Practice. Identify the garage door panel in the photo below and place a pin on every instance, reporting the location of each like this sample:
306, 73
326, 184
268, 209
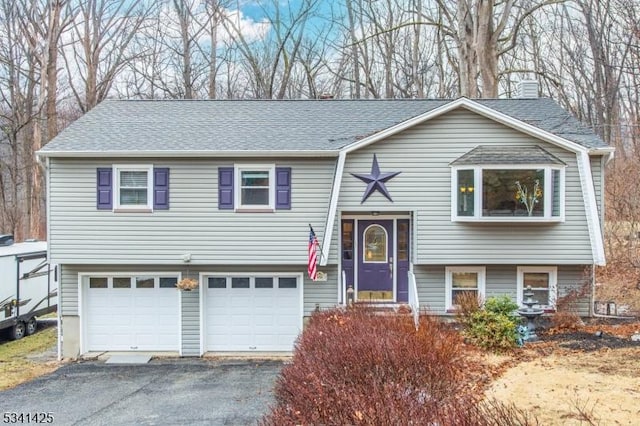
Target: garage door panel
262, 317
145, 319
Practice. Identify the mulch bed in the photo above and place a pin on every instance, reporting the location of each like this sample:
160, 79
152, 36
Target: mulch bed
584, 341
594, 335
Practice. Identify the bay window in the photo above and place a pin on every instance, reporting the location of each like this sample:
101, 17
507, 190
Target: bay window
499, 193
507, 183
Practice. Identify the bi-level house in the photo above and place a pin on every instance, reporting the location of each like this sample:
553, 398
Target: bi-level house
411, 200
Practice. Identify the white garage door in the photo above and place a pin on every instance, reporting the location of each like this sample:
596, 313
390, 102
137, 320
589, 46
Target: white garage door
131, 313
252, 313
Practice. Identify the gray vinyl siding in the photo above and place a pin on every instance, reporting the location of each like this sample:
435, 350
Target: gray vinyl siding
577, 278
190, 328
598, 183
68, 287
321, 294
422, 154
500, 280
81, 234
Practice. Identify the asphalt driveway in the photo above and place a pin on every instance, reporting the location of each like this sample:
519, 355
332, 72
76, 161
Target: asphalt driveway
163, 392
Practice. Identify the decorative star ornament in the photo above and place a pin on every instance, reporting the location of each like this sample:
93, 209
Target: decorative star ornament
375, 180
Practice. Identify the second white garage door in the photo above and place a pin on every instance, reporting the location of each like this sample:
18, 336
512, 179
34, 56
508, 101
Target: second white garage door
252, 313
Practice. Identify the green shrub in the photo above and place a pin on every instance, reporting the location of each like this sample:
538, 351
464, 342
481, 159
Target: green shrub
494, 327
501, 305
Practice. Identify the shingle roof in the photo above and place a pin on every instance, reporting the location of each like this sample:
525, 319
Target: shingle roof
274, 125
507, 154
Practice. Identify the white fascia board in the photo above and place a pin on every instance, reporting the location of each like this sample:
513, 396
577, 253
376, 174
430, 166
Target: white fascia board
473, 107
608, 153
185, 154
591, 208
601, 151
333, 208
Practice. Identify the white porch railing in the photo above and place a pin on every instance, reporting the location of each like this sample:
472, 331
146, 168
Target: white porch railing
414, 303
343, 289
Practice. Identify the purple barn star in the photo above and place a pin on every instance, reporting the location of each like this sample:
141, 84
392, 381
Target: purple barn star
375, 180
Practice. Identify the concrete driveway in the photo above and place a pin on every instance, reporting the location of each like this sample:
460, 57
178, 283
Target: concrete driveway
163, 392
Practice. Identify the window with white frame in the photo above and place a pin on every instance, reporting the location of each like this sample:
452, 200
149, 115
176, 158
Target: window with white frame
543, 283
133, 187
256, 187
133, 281
460, 280
508, 193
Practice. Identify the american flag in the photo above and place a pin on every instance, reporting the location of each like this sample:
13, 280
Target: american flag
313, 259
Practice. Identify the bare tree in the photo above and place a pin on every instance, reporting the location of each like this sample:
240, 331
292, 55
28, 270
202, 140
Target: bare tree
483, 31
99, 46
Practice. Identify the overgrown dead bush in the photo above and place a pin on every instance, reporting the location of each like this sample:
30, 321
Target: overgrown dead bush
360, 368
467, 304
566, 317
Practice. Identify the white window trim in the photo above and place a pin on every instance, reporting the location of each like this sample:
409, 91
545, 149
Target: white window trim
477, 194
553, 283
238, 169
117, 168
450, 270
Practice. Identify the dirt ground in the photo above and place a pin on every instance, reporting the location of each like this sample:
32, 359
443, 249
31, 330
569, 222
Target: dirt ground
581, 377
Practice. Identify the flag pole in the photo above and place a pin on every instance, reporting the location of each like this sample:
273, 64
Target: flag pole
318, 245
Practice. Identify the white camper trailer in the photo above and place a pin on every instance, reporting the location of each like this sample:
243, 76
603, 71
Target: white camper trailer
28, 286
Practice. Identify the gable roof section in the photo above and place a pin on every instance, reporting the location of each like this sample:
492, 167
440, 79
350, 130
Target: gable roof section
278, 127
506, 154
567, 133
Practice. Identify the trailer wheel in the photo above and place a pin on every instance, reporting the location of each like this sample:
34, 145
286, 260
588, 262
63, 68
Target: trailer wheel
17, 331
32, 326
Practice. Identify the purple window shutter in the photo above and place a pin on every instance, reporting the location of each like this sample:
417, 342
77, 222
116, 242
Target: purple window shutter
104, 188
225, 188
161, 188
283, 188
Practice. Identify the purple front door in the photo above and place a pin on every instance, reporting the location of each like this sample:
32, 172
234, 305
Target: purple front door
375, 260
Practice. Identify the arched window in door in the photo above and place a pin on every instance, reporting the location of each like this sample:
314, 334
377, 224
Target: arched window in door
375, 244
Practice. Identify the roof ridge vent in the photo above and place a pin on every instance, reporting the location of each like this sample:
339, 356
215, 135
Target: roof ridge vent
528, 89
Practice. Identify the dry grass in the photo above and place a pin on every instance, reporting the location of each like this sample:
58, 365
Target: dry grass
16, 367
563, 386
575, 388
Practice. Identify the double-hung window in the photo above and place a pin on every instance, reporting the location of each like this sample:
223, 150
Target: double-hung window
508, 184
133, 187
541, 282
256, 189
463, 280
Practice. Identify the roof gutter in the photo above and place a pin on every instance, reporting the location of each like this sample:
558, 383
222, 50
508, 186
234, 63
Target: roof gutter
608, 153
187, 154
